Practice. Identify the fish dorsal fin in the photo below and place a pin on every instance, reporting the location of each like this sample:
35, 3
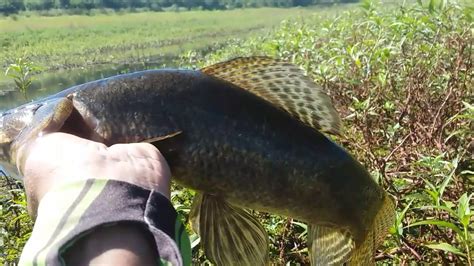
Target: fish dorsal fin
283, 84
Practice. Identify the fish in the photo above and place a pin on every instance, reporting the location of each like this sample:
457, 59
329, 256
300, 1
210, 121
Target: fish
250, 133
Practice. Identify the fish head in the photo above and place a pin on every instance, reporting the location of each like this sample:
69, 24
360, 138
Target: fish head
22, 125
12, 123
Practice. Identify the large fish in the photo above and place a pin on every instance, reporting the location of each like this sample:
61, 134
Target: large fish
245, 133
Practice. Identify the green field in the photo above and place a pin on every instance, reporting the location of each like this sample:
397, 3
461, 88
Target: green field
78, 41
401, 78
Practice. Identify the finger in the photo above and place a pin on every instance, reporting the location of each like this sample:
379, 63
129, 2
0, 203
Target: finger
57, 148
138, 150
140, 153
150, 167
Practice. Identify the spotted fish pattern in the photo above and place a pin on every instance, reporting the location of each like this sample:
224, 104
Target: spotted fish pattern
283, 84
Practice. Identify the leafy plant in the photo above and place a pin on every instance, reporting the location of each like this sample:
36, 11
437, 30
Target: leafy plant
21, 71
461, 214
15, 224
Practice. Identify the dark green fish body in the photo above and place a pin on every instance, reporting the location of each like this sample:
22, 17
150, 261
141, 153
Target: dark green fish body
235, 147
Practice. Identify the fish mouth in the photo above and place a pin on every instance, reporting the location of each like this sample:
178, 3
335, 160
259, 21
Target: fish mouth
77, 125
7, 169
12, 122
24, 123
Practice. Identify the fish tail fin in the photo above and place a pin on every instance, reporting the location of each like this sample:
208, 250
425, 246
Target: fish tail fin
364, 254
329, 246
333, 246
229, 234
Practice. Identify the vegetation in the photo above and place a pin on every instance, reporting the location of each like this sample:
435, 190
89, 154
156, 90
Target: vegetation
15, 224
85, 41
21, 72
402, 79
82, 6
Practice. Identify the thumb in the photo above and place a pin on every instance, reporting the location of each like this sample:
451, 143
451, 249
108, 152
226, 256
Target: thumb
49, 117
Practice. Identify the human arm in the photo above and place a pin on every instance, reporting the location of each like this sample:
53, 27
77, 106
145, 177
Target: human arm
119, 196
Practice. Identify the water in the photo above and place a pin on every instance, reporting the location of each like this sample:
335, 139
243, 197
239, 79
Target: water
52, 82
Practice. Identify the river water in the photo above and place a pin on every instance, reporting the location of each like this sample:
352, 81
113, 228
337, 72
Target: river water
49, 83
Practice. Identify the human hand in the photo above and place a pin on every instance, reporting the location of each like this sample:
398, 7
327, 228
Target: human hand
60, 157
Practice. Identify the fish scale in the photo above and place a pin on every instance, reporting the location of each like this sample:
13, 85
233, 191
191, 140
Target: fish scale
245, 134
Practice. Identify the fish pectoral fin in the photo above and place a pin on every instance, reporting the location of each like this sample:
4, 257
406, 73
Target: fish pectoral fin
364, 254
164, 137
329, 246
195, 211
49, 117
229, 234
283, 84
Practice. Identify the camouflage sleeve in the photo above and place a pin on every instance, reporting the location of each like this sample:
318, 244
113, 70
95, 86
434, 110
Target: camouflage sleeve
72, 210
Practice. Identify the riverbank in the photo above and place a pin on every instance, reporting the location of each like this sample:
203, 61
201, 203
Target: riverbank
74, 49
79, 40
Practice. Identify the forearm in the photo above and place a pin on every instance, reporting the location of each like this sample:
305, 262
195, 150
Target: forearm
121, 244
95, 220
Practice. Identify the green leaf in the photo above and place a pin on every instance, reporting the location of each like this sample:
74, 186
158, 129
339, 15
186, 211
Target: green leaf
302, 225
431, 6
434, 195
433, 187
18, 83
446, 181
358, 63
446, 247
438, 223
382, 77
442, 5
399, 221
195, 240
443, 208
464, 210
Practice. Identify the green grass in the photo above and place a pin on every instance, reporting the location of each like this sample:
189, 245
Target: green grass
79, 41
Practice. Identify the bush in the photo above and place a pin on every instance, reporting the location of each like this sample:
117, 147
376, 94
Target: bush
15, 224
402, 80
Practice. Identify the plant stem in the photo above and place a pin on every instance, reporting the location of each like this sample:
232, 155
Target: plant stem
466, 242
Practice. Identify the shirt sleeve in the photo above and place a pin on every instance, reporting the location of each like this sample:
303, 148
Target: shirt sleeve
70, 211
